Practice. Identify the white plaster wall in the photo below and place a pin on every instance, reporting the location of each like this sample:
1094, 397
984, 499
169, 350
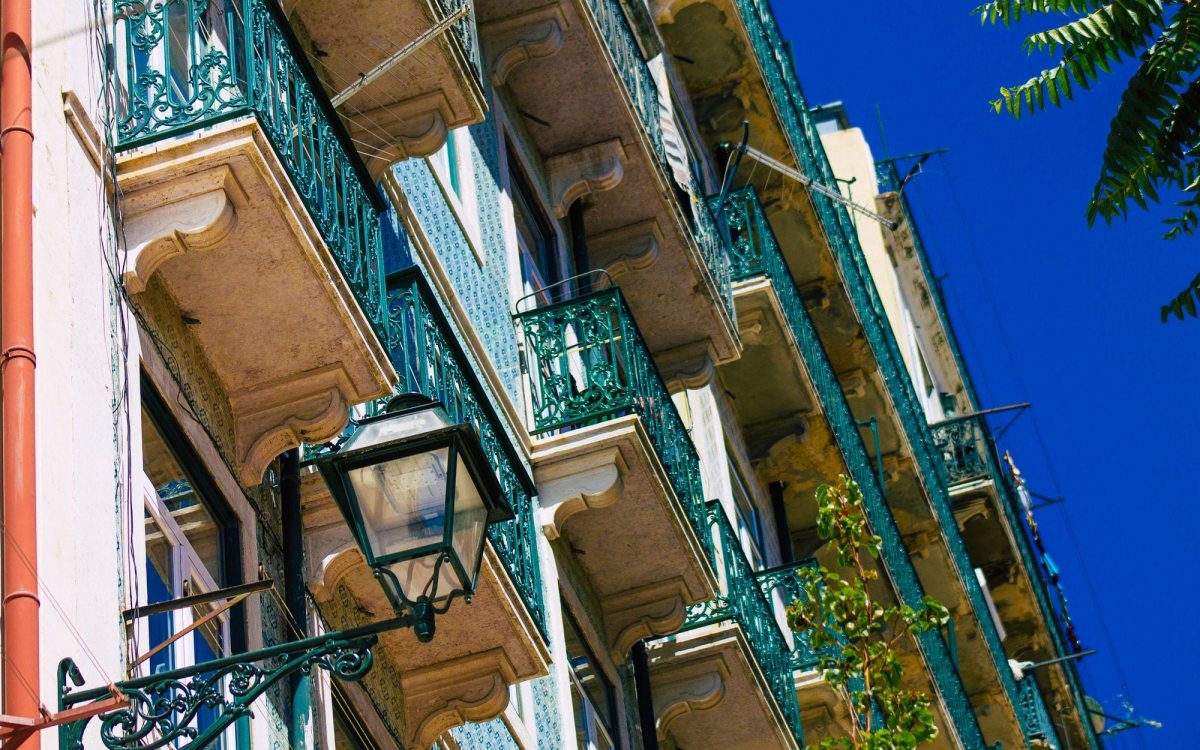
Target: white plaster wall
78, 527
850, 157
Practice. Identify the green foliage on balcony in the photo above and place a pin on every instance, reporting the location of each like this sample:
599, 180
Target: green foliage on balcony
588, 364
801, 132
743, 601
756, 252
185, 65
429, 360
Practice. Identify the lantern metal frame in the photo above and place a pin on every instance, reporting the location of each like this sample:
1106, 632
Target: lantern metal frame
161, 710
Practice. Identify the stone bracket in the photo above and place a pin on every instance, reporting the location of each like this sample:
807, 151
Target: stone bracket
309, 407
520, 38
584, 171
644, 612
166, 220
627, 249
595, 480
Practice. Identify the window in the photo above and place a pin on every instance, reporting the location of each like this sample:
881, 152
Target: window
536, 239
453, 166
191, 547
592, 695
749, 520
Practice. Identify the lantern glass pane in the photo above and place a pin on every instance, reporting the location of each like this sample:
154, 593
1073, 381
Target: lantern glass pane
416, 577
470, 520
402, 502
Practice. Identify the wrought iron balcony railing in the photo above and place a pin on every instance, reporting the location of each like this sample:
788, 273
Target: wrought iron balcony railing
785, 580
1035, 715
756, 252
643, 92
588, 364
632, 68
963, 448
184, 65
429, 360
744, 601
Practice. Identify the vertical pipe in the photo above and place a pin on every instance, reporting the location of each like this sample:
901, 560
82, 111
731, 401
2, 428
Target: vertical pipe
641, 684
293, 590
19, 610
782, 531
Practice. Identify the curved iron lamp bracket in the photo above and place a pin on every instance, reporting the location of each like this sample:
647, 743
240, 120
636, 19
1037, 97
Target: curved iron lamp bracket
164, 708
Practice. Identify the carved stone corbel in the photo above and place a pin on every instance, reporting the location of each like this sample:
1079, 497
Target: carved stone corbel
166, 220
269, 419
646, 612
520, 38
627, 249
702, 690
595, 480
591, 169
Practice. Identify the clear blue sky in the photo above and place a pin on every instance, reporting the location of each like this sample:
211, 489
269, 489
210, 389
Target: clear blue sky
1050, 312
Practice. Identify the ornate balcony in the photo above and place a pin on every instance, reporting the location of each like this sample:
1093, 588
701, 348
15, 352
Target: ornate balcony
238, 184
983, 497
995, 529
773, 391
607, 147
409, 109
616, 470
730, 673
499, 638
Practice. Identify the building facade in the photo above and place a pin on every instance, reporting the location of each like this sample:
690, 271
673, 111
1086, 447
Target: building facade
614, 240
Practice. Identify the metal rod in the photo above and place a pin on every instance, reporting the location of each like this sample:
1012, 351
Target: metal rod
293, 590
382, 68
283, 649
201, 598
915, 155
1056, 660
981, 413
195, 624
816, 187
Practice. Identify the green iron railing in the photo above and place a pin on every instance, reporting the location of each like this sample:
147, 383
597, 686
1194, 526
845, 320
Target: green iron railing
801, 131
756, 252
429, 360
960, 443
185, 65
588, 364
464, 32
633, 70
969, 452
1035, 715
744, 601
786, 581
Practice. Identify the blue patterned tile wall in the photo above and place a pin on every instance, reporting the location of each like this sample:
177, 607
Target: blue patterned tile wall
545, 712
492, 735
481, 288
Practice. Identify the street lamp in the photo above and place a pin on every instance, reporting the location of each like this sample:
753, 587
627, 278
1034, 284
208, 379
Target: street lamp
418, 494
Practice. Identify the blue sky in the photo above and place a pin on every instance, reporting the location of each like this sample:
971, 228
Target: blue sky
1049, 312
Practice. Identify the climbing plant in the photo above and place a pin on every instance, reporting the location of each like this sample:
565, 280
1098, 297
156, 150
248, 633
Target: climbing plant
1154, 138
856, 635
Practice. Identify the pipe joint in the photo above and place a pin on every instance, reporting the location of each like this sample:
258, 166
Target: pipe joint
14, 129
18, 352
12, 596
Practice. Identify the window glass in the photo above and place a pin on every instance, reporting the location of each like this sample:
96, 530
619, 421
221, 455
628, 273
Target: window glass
536, 240
178, 496
749, 520
592, 694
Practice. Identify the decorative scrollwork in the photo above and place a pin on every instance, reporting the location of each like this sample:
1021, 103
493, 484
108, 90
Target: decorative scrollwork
590, 364
188, 708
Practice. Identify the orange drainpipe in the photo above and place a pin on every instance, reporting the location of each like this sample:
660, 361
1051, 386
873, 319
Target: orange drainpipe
20, 677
